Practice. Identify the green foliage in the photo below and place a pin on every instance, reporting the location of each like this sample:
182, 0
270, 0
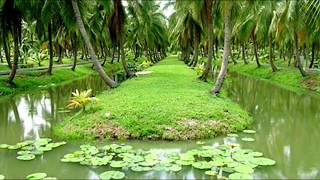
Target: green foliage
185, 109
81, 99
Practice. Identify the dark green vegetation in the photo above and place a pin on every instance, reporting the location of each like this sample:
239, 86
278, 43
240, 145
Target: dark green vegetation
286, 77
35, 80
170, 103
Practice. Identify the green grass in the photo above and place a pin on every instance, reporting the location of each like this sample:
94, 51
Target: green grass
287, 77
33, 80
168, 104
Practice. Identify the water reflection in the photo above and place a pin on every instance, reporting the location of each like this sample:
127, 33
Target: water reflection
287, 125
30, 116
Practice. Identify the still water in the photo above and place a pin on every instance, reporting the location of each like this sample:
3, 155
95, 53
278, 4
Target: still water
286, 123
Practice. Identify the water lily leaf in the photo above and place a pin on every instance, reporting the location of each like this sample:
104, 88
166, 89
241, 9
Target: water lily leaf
4, 146
245, 169
148, 163
112, 175
27, 148
247, 139
37, 152
256, 154
13, 147
217, 163
232, 135
36, 176
249, 131
186, 157
263, 161
202, 165
45, 148
228, 169
2, 177
50, 178
240, 176
210, 173
42, 141
23, 152
56, 144
26, 157
118, 164
184, 163
140, 168
175, 168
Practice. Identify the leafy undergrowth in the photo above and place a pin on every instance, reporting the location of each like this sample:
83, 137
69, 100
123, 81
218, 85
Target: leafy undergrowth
170, 103
288, 78
34, 80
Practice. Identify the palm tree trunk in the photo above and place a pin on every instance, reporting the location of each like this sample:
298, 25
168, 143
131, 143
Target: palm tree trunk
297, 52
75, 51
312, 54
226, 52
209, 22
196, 49
255, 49
273, 66
113, 51
244, 53
15, 56
6, 52
50, 48
60, 54
123, 61
93, 55
1, 59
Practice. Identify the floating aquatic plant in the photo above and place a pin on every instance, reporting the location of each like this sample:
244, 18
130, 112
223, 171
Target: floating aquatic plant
2, 177
112, 175
35, 176
29, 149
247, 139
248, 131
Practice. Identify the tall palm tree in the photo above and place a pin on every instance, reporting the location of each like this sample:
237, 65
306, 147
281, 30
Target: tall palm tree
226, 51
116, 29
206, 9
91, 51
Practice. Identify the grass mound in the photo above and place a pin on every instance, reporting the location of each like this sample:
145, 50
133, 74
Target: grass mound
169, 104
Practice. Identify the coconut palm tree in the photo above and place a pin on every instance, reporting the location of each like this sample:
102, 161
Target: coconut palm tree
116, 29
91, 51
226, 51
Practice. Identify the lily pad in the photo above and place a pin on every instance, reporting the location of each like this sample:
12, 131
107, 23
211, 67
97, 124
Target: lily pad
140, 168
256, 154
4, 146
240, 176
112, 175
23, 152
50, 178
232, 135
245, 169
202, 165
2, 177
247, 139
210, 173
118, 164
263, 161
184, 162
13, 147
36, 176
175, 168
199, 142
26, 157
248, 131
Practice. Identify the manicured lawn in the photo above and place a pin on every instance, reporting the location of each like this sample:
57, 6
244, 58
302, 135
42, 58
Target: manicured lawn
169, 103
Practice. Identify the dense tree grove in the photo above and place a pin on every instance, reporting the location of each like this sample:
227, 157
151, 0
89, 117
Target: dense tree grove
97, 29
250, 28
